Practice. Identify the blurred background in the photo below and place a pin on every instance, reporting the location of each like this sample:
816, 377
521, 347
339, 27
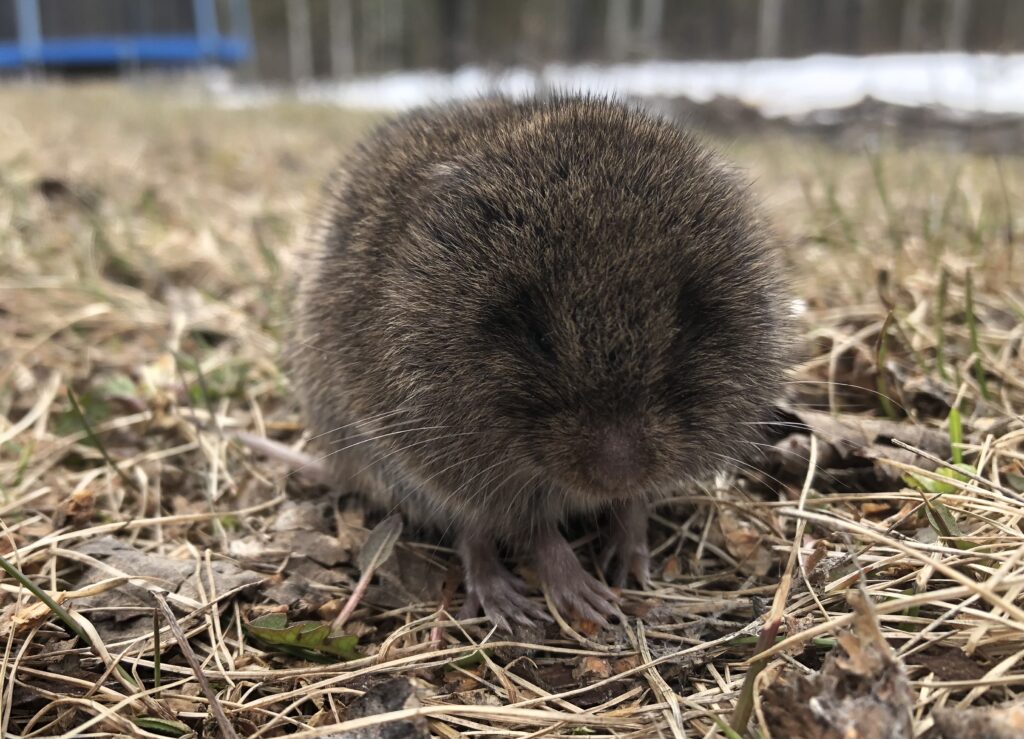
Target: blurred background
722, 64
279, 40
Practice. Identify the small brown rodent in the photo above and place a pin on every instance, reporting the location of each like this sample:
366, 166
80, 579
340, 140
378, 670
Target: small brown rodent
522, 311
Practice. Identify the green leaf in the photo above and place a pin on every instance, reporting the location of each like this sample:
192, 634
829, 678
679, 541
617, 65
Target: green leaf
164, 726
940, 518
938, 487
956, 435
275, 621
311, 640
474, 658
116, 384
95, 409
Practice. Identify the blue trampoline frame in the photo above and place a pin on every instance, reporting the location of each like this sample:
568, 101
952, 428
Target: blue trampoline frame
207, 45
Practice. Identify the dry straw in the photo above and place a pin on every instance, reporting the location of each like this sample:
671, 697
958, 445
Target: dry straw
146, 243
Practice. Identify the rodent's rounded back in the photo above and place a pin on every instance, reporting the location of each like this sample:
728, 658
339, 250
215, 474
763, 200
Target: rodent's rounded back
573, 300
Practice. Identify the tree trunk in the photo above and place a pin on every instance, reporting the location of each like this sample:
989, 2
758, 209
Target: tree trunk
769, 28
910, 25
956, 24
651, 13
300, 47
343, 57
618, 31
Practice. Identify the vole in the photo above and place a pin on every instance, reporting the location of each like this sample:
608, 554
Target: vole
524, 311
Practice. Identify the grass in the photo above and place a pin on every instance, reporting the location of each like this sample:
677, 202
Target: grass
146, 244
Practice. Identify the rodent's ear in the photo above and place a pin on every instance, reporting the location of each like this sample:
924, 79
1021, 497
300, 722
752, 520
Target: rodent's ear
454, 185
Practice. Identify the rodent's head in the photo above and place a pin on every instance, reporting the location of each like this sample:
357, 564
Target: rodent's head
590, 295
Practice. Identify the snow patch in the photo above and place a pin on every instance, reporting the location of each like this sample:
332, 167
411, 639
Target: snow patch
960, 82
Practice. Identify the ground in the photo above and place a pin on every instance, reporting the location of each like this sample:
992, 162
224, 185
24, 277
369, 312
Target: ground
147, 241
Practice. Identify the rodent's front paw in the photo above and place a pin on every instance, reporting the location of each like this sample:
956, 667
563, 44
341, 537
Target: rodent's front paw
501, 596
584, 595
571, 588
627, 552
628, 558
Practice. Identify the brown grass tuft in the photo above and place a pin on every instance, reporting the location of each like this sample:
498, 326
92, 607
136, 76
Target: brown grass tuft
146, 245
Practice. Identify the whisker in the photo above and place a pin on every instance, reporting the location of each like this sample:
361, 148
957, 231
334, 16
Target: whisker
363, 441
369, 419
423, 483
381, 458
459, 489
377, 430
784, 424
833, 383
817, 468
749, 466
473, 495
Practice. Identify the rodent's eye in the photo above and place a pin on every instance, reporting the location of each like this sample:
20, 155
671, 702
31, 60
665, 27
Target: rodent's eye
695, 315
539, 338
529, 310
520, 322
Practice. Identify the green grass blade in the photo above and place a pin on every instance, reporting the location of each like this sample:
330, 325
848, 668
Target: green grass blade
972, 327
50, 603
99, 444
940, 325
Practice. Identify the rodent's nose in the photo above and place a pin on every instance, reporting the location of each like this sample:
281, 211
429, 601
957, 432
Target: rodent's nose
616, 455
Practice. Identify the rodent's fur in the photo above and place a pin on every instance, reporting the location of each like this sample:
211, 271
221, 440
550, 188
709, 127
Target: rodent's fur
500, 283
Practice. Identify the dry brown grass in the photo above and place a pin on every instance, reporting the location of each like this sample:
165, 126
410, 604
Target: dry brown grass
145, 247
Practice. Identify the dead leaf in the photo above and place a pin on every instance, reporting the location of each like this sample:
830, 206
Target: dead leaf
852, 448
623, 664
861, 692
302, 535
472, 695
27, 616
849, 433
126, 611
393, 695
672, 569
983, 722
745, 542
77, 509
160, 377
408, 577
301, 515
596, 668
377, 549
948, 663
810, 562
871, 508
379, 544
555, 676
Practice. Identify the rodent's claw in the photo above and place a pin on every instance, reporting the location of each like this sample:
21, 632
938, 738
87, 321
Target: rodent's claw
500, 596
492, 588
585, 596
571, 588
635, 561
628, 547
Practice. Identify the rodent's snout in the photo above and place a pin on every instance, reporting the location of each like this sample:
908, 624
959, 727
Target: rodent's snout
617, 457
